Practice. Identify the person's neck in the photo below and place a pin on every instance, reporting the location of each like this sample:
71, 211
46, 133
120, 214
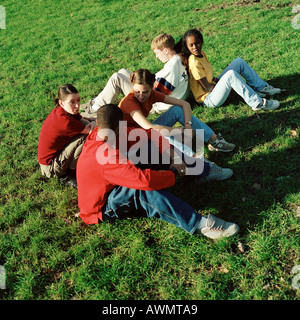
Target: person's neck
172, 54
102, 134
105, 134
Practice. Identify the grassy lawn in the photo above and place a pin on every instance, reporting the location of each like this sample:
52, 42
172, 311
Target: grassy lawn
46, 250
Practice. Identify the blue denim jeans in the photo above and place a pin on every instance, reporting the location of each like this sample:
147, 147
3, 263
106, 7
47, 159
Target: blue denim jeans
175, 114
232, 78
158, 204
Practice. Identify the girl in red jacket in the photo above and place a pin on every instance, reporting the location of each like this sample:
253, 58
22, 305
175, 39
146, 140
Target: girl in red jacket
62, 136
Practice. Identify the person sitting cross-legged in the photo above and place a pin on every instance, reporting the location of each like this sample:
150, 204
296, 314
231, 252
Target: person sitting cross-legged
111, 187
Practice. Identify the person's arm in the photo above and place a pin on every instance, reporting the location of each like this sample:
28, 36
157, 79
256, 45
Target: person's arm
135, 178
141, 120
197, 71
187, 110
89, 128
176, 162
207, 86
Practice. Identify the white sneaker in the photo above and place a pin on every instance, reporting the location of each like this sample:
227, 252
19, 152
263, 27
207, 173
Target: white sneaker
217, 228
216, 173
87, 105
268, 105
269, 90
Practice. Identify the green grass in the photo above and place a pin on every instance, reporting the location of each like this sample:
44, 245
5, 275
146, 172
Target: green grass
49, 254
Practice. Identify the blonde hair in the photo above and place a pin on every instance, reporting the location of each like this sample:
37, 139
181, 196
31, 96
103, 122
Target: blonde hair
163, 40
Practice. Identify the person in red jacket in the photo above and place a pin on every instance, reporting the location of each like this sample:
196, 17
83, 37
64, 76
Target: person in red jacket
62, 136
110, 186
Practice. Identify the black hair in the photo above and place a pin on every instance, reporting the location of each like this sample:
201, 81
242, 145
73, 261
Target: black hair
108, 116
181, 47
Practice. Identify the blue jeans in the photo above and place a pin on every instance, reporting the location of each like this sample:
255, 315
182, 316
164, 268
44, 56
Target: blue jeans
232, 78
175, 114
158, 204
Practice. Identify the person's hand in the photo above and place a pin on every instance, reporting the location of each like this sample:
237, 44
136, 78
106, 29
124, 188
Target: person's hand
215, 79
179, 167
93, 125
90, 127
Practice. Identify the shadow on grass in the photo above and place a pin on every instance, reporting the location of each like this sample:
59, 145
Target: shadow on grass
261, 178
265, 162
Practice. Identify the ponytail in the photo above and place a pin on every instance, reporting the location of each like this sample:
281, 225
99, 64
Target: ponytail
143, 76
56, 102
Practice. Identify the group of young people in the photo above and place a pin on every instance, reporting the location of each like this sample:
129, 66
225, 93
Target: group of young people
84, 149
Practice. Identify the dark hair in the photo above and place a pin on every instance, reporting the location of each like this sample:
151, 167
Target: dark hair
108, 116
63, 91
181, 47
143, 76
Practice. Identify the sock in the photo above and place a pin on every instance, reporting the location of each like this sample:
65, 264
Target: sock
261, 104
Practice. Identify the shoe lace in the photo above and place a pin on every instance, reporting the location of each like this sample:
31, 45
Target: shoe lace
220, 142
217, 225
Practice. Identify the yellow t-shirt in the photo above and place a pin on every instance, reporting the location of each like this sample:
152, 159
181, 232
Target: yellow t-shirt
198, 69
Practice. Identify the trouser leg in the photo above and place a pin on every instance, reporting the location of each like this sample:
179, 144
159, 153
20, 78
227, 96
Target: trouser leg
66, 159
176, 114
160, 204
242, 67
118, 83
232, 80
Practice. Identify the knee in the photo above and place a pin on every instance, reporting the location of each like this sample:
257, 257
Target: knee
125, 72
240, 64
239, 60
230, 74
114, 78
177, 111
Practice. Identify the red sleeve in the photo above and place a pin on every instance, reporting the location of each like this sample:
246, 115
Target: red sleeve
118, 170
129, 176
129, 104
157, 96
74, 126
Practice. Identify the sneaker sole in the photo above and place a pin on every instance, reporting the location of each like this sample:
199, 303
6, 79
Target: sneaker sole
227, 176
237, 229
271, 109
211, 148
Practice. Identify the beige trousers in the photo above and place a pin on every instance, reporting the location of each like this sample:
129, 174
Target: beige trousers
118, 83
65, 159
